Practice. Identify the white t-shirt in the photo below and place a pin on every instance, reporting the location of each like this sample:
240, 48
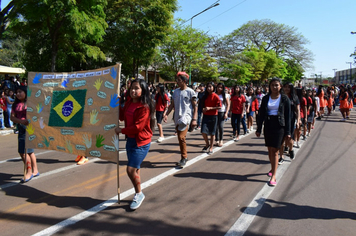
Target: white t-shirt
223, 106
273, 105
317, 100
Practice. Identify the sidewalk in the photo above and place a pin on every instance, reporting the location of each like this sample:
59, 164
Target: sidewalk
7, 131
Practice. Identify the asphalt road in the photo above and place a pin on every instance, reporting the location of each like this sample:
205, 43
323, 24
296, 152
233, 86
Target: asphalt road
225, 193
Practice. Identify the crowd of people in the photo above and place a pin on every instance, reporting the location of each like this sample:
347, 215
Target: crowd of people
8, 87
285, 113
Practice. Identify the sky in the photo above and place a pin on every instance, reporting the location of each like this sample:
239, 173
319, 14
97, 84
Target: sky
325, 23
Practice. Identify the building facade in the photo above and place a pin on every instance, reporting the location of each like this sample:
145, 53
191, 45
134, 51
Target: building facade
346, 76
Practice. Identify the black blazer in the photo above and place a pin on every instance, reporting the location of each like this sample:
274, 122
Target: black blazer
284, 113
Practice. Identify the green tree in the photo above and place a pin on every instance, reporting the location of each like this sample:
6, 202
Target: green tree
284, 40
254, 65
294, 71
58, 31
183, 47
135, 29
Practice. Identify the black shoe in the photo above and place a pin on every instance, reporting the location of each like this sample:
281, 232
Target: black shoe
285, 149
182, 162
280, 161
205, 149
291, 155
318, 118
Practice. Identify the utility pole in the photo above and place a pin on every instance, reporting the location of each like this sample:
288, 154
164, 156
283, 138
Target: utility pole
335, 75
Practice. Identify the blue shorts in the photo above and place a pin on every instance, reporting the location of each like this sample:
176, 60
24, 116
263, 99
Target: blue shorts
251, 113
136, 155
22, 140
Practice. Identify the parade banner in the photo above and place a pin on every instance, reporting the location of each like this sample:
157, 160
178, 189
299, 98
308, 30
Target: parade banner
74, 112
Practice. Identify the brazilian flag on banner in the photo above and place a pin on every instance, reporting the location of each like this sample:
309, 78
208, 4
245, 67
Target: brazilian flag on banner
67, 109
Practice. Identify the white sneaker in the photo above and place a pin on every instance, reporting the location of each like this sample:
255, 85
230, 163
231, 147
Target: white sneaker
248, 131
343, 119
251, 129
160, 139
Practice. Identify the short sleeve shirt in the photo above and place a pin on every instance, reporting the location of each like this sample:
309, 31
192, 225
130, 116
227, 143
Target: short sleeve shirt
183, 108
236, 104
212, 100
19, 110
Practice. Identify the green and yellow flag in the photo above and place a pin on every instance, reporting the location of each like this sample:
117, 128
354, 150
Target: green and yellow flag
74, 112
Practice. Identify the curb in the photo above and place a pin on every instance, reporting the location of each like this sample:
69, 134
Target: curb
6, 131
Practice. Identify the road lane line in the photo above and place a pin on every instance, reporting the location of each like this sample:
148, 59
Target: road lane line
102, 206
19, 158
244, 221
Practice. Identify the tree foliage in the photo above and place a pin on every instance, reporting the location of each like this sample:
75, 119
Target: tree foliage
187, 46
254, 65
59, 32
283, 39
135, 29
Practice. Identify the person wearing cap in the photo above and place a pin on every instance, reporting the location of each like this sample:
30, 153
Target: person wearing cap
185, 113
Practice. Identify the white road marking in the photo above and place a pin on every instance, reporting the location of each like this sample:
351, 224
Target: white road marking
244, 221
102, 206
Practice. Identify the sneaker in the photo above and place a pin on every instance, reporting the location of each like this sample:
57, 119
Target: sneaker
205, 149
210, 152
280, 161
303, 137
343, 119
308, 134
297, 146
291, 155
248, 131
182, 162
78, 158
347, 117
137, 201
83, 161
160, 139
251, 129
285, 149
236, 139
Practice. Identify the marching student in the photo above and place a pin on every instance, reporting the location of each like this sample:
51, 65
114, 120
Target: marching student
237, 108
18, 115
162, 100
222, 113
211, 104
276, 119
139, 123
184, 101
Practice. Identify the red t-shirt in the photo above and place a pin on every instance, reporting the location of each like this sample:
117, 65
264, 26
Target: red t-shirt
160, 106
236, 104
19, 110
303, 104
3, 104
212, 100
130, 116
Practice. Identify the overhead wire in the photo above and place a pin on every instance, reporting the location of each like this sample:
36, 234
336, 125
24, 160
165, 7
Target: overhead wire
222, 13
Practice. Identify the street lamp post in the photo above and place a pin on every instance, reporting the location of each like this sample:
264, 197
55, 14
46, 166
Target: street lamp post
191, 26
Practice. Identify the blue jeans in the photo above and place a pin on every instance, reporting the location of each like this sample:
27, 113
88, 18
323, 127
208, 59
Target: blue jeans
235, 123
243, 121
2, 125
200, 111
9, 115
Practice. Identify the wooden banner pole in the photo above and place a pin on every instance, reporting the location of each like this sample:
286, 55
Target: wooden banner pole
118, 122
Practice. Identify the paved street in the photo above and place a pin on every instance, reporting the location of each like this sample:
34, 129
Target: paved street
217, 194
